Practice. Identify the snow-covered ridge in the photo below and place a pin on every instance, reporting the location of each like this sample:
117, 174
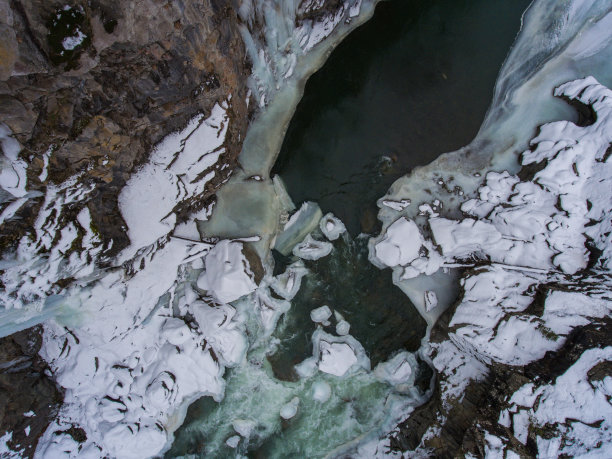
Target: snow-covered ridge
539, 249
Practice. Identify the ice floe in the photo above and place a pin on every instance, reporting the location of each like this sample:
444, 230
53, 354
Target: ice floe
331, 226
312, 249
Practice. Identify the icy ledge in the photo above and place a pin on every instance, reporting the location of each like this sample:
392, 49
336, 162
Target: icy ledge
540, 249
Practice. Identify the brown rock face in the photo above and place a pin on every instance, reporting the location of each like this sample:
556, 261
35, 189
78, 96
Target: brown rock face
29, 399
102, 82
462, 423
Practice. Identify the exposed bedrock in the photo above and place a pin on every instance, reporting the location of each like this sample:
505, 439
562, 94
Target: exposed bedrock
29, 399
99, 83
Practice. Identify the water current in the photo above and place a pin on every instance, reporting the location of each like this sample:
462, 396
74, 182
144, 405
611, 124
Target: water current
413, 82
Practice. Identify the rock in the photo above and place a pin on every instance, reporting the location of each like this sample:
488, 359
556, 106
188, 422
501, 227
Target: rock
144, 71
29, 399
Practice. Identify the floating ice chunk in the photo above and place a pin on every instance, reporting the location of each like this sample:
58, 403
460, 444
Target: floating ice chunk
336, 355
343, 328
244, 427
226, 276
299, 225
331, 227
270, 309
431, 300
311, 249
290, 409
401, 243
321, 391
336, 358
233, 441
321, 315
307, 368
400, 370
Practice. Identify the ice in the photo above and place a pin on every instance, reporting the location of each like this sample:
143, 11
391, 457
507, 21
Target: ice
289, 410
178, 169
343, 328
321, 315
321, 391
12, 169
69, 43
399, 370
311, 249
288, 284
299, 225
244, 427
558, 42
401, 244
227, 276
336, 358
331, 226
233, 441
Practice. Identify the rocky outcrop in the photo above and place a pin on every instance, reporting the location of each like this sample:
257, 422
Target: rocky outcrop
89, 87
29, 399
523, 356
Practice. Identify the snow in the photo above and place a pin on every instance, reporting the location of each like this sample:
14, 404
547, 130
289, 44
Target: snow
431, 300
45, 169
12, 169
331, 227
336, 358
178, 169
311, 249
227, 275
321, 391
573, 403
289, 410
401, 244
321, 315
69, 43
135, 343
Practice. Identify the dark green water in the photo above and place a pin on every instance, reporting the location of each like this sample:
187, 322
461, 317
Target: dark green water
382, 318
412, 83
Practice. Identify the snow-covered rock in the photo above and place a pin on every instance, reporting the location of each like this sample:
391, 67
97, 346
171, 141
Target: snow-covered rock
227, 276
